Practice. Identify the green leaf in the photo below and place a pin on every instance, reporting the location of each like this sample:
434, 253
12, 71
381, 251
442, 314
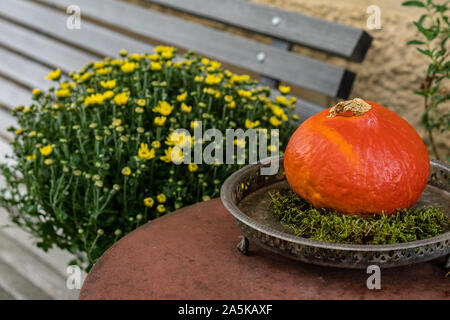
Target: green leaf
425, 52
413, 4
420, 93
417, 42
420, 28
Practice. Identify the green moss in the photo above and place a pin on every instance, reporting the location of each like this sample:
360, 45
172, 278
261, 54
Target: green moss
325, 225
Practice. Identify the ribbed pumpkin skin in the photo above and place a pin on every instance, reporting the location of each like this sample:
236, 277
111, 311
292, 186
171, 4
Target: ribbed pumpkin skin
357, 164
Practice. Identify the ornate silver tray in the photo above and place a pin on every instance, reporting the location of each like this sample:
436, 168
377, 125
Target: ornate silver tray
245, 195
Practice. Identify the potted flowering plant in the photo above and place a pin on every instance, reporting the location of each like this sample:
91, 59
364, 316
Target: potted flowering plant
93, 157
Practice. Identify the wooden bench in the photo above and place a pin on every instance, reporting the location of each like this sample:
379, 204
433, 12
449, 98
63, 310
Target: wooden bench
34, 39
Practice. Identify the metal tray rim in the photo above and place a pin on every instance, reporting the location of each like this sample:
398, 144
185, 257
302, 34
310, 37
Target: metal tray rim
226, 197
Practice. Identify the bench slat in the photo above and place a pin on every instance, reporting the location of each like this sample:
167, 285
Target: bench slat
292, 68
28, 72
6, 120
342, 40
42, 48
12, 94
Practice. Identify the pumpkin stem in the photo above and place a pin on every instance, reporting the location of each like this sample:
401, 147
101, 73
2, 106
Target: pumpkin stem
357, 106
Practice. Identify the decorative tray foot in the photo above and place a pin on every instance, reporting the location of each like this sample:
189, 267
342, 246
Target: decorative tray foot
242, 246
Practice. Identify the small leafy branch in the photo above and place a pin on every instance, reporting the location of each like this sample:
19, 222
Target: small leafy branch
435, 29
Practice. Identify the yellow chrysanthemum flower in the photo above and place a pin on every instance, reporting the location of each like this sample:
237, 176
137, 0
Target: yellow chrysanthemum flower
172, 155
159, 121
145, 153
160, 49
110, 84
161, 208
228, 98
275, 121
54, 75
156, 144
149, 202
214, 65
185, 108
182, 97
116, 62
250, 125
213, 79
239, 79
103, 71
135, 56
279, 112
231, 105
244, 93
99, 65
94, 99
212, 92
284, 89
121, 98
126, 171
161, 198
108, 94
116, 122
284, 101
32, 157
164, 108
141, 102
37, 92
128, 67
192, 167
46, 151
154, 57
167, 54
156, 66
180, 139
63, 93
85, 76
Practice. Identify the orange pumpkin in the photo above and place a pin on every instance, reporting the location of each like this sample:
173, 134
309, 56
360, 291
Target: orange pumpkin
357, 158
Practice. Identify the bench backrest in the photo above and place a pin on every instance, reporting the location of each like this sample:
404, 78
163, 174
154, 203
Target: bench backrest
34, 39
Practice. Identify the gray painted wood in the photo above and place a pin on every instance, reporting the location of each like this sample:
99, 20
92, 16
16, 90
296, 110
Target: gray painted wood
6, 121
28, 72
286, 66
283, 45
33, 269
12, 94
41, 48
342, 40
90, 37
17, 286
